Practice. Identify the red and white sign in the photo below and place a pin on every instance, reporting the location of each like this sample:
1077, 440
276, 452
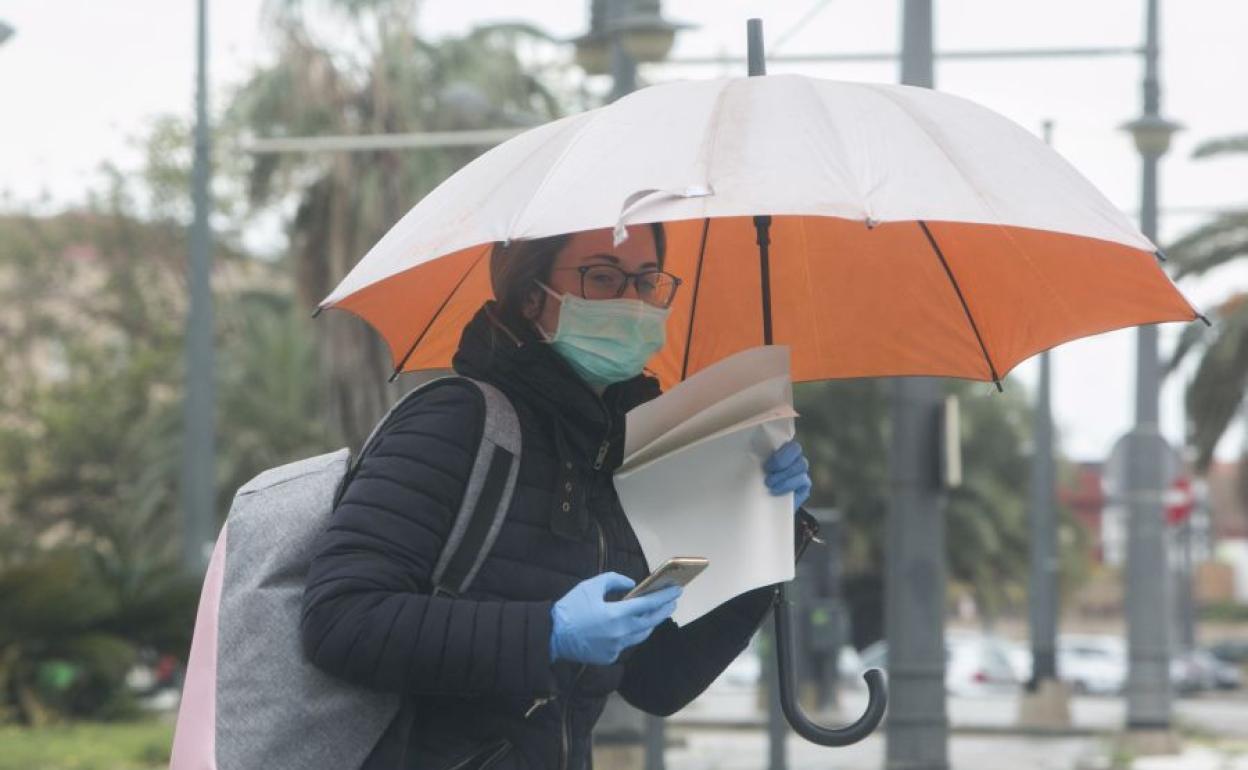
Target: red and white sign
1179, 500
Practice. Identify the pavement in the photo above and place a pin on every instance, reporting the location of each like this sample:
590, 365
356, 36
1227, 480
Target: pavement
1211, 714
724, 730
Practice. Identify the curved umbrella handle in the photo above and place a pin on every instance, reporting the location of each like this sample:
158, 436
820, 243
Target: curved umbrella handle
877, 693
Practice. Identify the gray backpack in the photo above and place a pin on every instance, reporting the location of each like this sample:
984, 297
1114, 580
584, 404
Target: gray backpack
250, 699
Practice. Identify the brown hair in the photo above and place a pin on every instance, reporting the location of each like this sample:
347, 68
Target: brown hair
515, 266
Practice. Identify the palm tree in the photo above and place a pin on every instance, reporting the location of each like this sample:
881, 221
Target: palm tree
1216, 393
384, 79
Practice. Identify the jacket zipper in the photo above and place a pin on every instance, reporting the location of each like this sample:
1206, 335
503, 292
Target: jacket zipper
563, 714
605, 446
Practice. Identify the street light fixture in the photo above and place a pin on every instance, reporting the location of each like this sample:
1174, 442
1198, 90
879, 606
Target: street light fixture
639, 26
1152, 134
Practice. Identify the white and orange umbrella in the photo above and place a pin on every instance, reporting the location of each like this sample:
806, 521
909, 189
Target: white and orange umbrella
877, 230
912, 233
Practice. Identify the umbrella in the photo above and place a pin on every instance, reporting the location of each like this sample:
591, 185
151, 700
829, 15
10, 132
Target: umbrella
877, 230
913, 232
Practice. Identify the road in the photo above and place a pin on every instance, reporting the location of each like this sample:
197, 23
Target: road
1213, 714
723, 730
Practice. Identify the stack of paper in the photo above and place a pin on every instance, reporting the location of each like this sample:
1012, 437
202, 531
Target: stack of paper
692, 478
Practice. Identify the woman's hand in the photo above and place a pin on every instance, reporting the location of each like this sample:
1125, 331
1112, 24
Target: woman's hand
788, 471
588, 628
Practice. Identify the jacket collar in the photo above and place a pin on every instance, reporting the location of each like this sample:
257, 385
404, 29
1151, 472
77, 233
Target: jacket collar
589, 430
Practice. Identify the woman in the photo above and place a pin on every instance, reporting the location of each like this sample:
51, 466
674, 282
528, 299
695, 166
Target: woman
515, 673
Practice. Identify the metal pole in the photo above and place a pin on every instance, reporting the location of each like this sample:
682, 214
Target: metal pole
777, 728
1187, 589
624, 82
914, 576
1042, 602
1042, 599
1148, 680
890, 56
198, 469
623, 66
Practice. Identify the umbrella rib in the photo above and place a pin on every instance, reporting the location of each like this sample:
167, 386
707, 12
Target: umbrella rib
420, 338
693, 309
961, 298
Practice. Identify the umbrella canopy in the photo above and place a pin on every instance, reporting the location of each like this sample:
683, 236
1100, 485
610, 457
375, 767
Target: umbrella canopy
913, 232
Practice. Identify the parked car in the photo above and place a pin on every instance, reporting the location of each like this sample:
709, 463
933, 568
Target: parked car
1093, 664
975, 664
1201, 670
1231, 650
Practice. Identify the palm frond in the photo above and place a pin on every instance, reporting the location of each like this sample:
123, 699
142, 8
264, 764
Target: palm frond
1217, 391
1211, 245
1221, 146
511, 31
1192, 338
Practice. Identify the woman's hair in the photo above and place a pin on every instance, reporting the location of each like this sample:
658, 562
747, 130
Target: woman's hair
515, 266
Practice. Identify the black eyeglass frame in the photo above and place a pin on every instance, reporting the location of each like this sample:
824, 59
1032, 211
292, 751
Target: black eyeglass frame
628, 277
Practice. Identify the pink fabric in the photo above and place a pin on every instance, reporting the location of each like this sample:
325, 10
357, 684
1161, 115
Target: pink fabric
194, 736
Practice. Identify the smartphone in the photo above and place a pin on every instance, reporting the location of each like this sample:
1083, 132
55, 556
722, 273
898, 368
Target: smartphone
676, 571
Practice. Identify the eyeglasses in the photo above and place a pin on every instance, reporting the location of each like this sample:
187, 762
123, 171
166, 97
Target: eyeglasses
654, 287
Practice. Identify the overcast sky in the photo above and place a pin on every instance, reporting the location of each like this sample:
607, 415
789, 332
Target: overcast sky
81, 76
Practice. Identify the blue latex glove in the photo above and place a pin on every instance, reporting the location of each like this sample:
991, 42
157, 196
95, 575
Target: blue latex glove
788, 471
590, 629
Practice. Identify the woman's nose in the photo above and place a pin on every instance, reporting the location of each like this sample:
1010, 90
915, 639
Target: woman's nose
630, 290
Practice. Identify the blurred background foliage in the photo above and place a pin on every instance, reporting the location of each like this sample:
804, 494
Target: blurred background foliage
93, 313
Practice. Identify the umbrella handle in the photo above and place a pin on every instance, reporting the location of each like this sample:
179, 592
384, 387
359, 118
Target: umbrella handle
877, 698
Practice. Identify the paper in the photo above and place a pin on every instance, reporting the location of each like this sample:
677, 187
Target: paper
692, 479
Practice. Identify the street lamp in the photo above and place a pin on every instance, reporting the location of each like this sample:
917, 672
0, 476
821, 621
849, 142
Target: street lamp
638, 26
1152, 134
1145, 451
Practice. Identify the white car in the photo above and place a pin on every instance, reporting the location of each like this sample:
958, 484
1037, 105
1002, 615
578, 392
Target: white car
975, 664
1089, 663
1092, 664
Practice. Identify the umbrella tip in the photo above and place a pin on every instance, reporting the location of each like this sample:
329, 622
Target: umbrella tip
1204, 319
317, 312
395, 375
1000, 387
1161, 255
754, 46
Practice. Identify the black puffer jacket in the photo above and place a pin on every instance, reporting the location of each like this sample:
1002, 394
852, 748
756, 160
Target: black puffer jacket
480, 688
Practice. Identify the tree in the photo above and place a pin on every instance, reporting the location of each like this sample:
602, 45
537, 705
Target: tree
1216, 393
91, 429
380, 76
844, 429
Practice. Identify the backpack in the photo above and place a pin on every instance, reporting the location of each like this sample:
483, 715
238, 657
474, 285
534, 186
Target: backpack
250, 699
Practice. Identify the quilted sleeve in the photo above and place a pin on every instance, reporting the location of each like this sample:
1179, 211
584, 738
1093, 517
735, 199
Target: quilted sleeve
368, 616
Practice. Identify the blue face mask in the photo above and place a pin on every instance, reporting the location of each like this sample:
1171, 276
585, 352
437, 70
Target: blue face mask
607, 340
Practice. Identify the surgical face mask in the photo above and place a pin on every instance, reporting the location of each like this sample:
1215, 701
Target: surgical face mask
606, 340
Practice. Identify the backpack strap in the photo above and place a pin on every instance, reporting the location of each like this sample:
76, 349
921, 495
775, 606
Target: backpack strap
486, 498
487, 495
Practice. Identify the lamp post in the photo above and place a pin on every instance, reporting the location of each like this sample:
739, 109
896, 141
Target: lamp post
621, 34
198, 467
1046, 702
917, 735
1148, 679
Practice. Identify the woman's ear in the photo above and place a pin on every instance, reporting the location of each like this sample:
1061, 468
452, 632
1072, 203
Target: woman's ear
533, 303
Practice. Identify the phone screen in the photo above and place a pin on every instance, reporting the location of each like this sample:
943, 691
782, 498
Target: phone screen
676, 571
